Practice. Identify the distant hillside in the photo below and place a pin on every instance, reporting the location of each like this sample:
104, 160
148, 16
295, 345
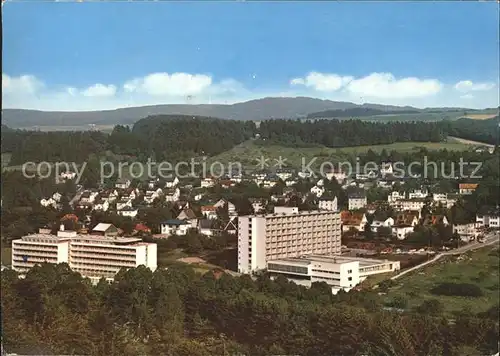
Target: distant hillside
257, 110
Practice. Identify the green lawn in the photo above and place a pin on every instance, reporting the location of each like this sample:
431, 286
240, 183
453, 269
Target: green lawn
248, 152
479, 267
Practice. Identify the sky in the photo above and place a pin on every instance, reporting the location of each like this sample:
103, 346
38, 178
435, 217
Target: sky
63, 56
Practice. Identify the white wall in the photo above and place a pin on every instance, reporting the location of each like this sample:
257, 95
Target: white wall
152, 250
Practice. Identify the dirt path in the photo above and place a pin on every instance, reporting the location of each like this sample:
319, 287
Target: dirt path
469, 142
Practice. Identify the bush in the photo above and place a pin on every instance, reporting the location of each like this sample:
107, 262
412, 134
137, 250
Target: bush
431, 306
457, 289
399, 302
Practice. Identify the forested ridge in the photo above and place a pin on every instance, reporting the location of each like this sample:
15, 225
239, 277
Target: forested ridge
359, 112
180, 313
176, 137
487, 131
335, 133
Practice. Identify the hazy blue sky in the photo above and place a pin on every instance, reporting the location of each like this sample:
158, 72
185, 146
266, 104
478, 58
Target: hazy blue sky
80, 56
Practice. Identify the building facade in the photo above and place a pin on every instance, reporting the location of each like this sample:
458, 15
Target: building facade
286, 233
340, 273
92, 256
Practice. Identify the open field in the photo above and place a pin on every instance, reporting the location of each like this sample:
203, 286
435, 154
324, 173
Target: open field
248, 152
479, 267
480, 116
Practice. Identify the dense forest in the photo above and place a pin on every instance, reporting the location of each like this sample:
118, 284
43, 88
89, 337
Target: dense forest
335, 133
357, 112
175, 138
181, 313
161, 137
487, 131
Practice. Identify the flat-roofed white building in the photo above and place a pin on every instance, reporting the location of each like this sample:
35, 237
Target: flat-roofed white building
39, 248
286, 233
339, 272
93, 256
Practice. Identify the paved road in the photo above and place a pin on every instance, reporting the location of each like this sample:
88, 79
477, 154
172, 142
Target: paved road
490, 239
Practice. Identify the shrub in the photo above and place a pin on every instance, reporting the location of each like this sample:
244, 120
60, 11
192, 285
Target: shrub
457, 289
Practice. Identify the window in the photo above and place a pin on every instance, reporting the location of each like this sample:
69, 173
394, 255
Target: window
349, 271
349, 279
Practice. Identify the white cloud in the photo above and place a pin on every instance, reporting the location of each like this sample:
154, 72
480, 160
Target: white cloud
164, 84
99, 90
322, 82
375, 85
24, 84
29, 92
468, 86
385, 85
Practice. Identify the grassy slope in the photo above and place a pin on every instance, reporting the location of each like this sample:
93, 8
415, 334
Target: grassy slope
248, 152
416, 286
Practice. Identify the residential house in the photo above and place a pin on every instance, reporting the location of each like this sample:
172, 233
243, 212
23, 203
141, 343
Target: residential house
258, 205
88, 196
329, 204
141, 229
227, 183
270, 181
386, 169
67, 175
488, 219
435, 220
172, 194
111, 195
404, 224
128, 212
209, 212
367, 174
122, 183
467, 232
232, 225
130, 193
175, 227
207, 182
389, 222
231, 208
123, 203
305, 174
467, 188
284, 174
101, 204
189, 216
103, 229
153, 183
318, 190
205, 227
151, 195
357, 200
336, 174
395, 196
418, 194
172, 182
291, 182
353, 221
408, 204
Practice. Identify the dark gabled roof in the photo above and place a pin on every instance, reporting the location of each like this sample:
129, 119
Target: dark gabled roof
174, 222
205, 224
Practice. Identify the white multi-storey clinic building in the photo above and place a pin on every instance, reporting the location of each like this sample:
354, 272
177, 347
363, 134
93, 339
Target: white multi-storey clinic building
286, 233
91, 255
